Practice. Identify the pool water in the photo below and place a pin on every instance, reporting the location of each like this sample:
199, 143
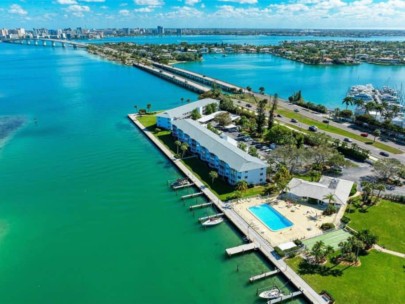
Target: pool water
270, 217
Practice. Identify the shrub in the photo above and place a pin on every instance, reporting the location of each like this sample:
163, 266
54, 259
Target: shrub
345, 220
330, 209
298, 243
327, 226
353, 190
279, 252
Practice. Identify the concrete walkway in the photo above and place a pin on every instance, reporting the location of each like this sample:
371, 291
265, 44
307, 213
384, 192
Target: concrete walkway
243, 226
381, 249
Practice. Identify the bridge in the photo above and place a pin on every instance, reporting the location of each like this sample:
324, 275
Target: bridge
45, 41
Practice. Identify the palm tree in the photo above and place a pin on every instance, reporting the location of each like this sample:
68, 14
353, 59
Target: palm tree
249, 89
359, 103
213, 175
348, 101
330, 197
183, 148
376, 133
320, 251
242, 186
261, 90
369, 106
380, 188
178, 145
148, 106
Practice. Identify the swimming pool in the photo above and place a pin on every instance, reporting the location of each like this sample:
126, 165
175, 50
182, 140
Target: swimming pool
270, 217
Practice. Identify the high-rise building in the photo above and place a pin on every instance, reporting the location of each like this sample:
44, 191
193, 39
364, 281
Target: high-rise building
3, 32
179, 32
20, 32
160, 30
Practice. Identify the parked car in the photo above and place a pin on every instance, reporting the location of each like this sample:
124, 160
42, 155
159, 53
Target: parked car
325, 121
296, 110
294, 120
364, 134
248, 105
313, 128
258, 146
390, 187
278, 115
347, 140
385, 154
272, 146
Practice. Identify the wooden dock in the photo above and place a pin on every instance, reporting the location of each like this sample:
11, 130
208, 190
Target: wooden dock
284, 298
182, 186
191, 195
202, 219
241, 249
263, 275
201, 205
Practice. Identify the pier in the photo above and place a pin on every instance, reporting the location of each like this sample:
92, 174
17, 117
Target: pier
43, 42
286, 297
191, 195
200, 205
182, 186
263, 275
264, 246
241, 249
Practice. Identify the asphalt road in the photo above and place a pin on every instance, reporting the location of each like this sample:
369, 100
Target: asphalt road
375, 152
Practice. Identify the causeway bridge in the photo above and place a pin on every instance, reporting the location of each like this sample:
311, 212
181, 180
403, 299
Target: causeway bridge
46, 41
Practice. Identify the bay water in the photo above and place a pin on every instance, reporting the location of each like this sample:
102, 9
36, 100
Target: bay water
86, 215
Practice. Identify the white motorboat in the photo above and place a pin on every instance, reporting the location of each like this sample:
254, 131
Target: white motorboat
213, 221
271, 294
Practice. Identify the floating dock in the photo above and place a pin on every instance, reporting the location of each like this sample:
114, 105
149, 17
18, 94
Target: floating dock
284, 298
263, 275
201, 219
241, 249
191, 195
201, 205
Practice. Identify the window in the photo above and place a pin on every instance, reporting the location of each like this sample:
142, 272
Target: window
261, 174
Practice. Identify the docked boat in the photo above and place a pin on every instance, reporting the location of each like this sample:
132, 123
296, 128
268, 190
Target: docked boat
213, 221
271, 294
180, 182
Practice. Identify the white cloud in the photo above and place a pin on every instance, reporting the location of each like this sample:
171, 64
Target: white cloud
124, 12
149, 2
93, 1
104, 7
78, 10
182, 12
192, 2
17, 9
144, 10
67, 2
241, 1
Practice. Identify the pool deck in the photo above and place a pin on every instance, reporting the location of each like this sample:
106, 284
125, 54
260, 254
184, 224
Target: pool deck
264, 246
306, 219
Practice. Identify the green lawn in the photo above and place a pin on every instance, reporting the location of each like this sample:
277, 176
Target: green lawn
386, 220
220, 188
336, 130
379, 279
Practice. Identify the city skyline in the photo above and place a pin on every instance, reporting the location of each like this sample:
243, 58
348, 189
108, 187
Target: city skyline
362, 14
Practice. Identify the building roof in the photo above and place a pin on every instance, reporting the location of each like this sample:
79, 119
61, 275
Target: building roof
187, 108
233, 156
340, 189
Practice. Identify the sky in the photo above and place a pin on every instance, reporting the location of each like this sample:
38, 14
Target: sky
307, 14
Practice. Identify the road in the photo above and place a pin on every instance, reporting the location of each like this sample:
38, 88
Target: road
375, 152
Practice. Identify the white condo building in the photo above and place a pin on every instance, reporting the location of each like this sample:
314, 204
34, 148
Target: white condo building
231, 162
166, 118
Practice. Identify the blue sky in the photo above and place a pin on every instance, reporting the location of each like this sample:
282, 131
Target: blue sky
203, 13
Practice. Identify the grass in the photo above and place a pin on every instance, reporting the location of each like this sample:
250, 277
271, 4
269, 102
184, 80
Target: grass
336, 130
386, 220
332, 239
219, 187
379, 279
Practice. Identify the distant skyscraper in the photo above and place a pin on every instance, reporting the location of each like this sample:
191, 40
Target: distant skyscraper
179, 32
160, 30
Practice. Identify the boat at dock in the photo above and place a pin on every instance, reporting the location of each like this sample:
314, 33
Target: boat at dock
213, 221
271, 294
179, 182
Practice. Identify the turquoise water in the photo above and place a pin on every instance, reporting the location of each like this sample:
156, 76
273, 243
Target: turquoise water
270, 217
326, 85
234, 39
86, 215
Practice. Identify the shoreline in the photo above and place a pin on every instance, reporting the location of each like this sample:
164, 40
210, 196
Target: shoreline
263, 245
